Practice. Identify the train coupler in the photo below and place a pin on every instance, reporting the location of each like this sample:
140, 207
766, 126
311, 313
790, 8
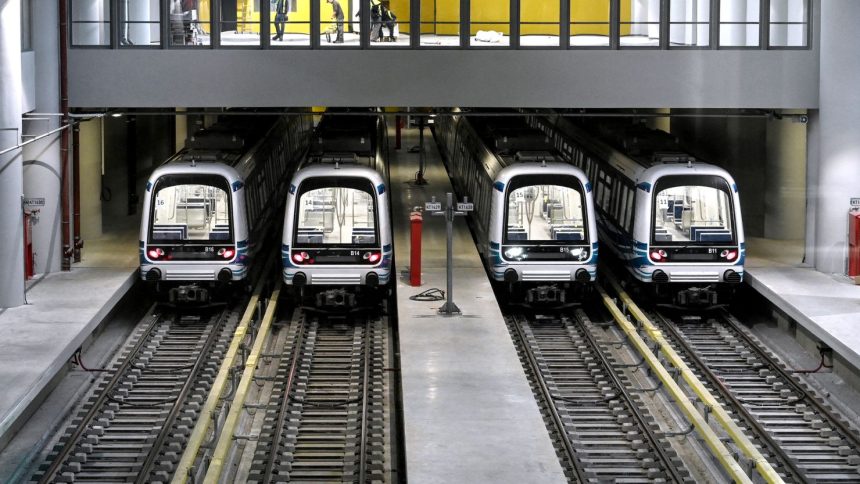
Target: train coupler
191, 294
697, 297
548, 294
336, 298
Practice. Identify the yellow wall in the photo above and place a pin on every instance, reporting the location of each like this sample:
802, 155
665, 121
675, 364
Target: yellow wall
495, 12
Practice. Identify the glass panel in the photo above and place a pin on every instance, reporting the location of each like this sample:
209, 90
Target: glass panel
689, 23
491, 23
739, 23
336, 216
440, 23
191, 212
90, 22
539, 22
339, 23
640, 23
788, 23
189, 22
543, 213
694, 213
589, 23
290, 22
139, 22
240, 25
389, 23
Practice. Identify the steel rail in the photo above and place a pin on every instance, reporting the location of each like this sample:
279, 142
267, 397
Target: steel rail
849, 432
72, 441
166, 429
362, 455
720, 451
558, 422
702, 366
201, 428
225, 440
637, 413
285, 400
725, 420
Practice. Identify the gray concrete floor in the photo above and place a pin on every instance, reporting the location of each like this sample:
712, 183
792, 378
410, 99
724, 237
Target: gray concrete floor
469, 412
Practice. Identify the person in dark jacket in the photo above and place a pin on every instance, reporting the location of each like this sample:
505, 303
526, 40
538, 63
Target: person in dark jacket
280, 19
389, 20
337, 15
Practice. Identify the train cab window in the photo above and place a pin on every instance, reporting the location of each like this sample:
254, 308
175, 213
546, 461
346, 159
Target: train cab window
336, 212
545, 209
693, 209
189, 208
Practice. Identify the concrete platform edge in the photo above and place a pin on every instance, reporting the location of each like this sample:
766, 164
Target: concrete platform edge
849, 355
25, 408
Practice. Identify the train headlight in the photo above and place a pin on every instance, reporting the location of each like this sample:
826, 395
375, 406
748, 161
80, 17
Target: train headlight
155, 253
227, 252
658, 255
372, 257
579, 253
729, 255
514, 252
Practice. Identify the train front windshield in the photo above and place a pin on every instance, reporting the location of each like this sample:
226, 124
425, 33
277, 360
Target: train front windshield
336, 212
191, 209
693, 210
545, 219
546, 210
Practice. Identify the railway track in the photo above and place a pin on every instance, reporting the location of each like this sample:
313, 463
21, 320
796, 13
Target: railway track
132, 427
604, 434
806, 440
328, 416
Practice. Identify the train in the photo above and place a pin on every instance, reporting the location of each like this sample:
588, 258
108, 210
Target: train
208, 208
337, 234
674, 222
533, 216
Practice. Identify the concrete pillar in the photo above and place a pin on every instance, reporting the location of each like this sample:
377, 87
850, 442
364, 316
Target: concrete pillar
785, 190
779, 12
738, 11
90, 140
839, 144
43, 163
11, 168
678, 13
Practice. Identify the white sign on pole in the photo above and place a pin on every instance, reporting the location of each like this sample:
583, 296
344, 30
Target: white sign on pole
465, 207
433, 206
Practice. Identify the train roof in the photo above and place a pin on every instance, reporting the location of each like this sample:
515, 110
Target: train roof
553, 168
337, 170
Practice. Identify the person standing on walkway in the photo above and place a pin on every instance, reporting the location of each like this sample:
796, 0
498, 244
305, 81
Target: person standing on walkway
280, 19
337, 15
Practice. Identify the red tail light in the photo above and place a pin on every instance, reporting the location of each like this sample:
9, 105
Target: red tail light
227, 252
658, 255
155, 253
372, 257
302, 258
729, 255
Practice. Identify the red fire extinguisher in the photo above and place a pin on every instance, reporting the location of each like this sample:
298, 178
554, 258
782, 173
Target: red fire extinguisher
854, 243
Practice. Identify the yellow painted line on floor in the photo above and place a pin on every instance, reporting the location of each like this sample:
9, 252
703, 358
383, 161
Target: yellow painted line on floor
722, 417
723, 455
198, 435
237, 406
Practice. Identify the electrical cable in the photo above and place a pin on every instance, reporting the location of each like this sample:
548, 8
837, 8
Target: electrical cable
78, 360
433, 294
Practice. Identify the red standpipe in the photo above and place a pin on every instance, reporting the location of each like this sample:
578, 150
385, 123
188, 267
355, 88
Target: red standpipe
29, 263
64, 136
416, 220
854, 244
76, 192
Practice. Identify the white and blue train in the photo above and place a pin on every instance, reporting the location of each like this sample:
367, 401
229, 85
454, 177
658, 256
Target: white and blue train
533, 212
674, 222
208, 208
337, 239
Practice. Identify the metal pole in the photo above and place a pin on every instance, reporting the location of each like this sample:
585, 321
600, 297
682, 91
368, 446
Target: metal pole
450, 308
